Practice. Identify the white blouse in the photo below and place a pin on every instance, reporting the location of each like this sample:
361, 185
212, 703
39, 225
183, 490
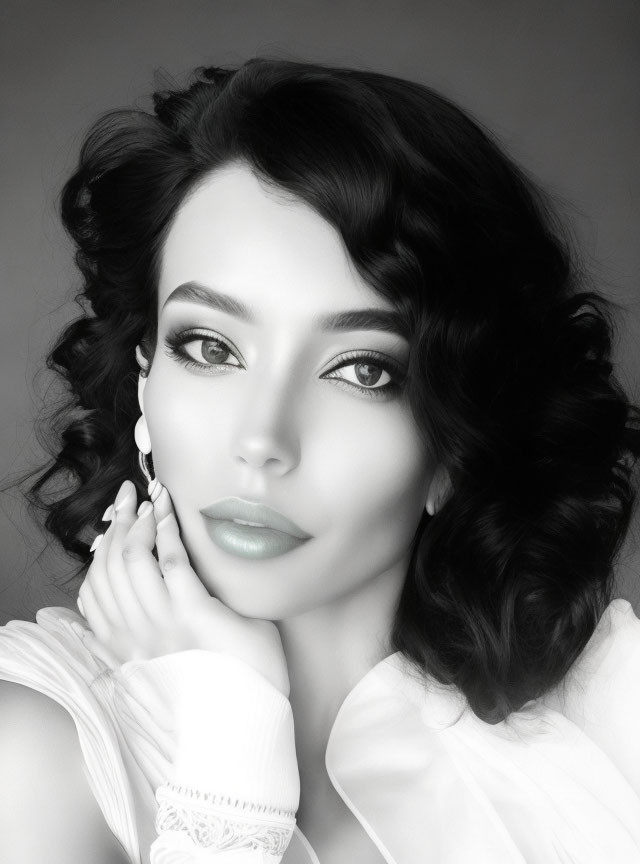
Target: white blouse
557, 782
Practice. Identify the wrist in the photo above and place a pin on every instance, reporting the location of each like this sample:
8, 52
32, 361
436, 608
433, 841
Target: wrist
233, 728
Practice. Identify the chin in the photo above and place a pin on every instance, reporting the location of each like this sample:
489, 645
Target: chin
269, 605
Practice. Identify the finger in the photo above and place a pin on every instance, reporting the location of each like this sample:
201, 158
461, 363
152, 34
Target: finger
100, 573
134, 558
117, 583
101, 551
98, 581
93, 612
145, 579
181, 580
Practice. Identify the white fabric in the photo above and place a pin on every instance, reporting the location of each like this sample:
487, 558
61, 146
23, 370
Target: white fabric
556, 783
214, 823
231, 783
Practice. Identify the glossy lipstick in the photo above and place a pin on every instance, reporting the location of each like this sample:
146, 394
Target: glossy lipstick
251, 530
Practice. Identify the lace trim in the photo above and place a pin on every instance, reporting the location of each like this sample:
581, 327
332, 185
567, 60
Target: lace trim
221, 822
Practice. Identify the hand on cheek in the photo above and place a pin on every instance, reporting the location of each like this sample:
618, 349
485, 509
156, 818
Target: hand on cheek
140, 608
123, 596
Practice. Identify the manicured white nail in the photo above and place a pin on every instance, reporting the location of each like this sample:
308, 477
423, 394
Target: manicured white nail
108, 513
144, 509
124, 495
80, 607
154, 489
96, 542
162, 504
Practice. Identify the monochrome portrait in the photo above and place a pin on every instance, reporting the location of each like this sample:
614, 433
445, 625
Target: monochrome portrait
321, 433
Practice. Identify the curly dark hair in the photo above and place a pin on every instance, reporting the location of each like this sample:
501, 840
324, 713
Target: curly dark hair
510, 375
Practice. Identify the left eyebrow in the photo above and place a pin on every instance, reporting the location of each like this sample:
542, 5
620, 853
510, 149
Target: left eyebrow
388, 321
365, 319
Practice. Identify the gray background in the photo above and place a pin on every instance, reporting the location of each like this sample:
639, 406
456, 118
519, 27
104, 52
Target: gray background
557, 81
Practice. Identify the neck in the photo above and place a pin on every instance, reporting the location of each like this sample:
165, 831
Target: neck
328, 650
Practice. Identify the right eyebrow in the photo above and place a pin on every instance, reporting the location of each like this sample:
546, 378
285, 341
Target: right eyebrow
194, 292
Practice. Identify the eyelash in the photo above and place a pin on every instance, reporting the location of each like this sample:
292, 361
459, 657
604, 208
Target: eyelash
175, 342
391, 388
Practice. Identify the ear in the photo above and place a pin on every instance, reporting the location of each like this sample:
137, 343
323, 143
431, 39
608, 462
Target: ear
439, 490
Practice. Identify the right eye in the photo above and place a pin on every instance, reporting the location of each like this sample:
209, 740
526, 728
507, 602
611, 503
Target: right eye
202, 351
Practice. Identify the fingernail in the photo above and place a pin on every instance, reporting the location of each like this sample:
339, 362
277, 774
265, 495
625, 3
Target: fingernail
126, 491
96, 542
154, 489
162, 504
144, 509
80, 606
108, 513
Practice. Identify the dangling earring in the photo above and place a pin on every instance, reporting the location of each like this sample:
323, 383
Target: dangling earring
141, 435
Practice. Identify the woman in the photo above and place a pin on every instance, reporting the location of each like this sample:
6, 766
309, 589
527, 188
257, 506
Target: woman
389, 469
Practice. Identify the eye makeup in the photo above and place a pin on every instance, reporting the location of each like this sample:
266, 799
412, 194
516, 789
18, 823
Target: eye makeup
216, 349
369, 359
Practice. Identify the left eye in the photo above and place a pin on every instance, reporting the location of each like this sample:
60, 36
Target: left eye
363, 374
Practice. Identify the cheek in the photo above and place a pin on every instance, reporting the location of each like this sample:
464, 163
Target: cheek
375, 469
184, 425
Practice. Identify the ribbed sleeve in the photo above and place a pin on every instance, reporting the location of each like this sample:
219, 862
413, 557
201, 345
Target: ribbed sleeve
233, 783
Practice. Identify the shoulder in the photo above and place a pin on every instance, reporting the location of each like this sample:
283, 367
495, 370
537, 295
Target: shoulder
610, 662
29, 717
18, 700
45, 796
601, 693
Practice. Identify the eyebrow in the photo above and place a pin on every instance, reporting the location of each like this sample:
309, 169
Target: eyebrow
389, 321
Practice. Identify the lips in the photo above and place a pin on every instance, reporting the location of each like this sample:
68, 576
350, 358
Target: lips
230, 509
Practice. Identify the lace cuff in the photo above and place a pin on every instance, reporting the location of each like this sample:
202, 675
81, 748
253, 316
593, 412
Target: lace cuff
198, 827
231, 732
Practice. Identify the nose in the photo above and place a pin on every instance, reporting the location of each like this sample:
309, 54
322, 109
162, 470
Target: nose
266, 435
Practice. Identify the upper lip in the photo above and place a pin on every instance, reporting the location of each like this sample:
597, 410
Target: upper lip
249, 511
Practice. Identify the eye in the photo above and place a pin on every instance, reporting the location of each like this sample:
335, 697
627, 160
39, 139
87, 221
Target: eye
364, 374
203, 351
370, 375
214, 352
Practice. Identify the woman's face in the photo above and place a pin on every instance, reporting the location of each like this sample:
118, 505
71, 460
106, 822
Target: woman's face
264, 389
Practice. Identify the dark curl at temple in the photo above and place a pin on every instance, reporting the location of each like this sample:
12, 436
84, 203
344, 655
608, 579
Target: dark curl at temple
510, 378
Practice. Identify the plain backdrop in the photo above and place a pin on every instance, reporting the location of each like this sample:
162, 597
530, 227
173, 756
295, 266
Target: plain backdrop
558, 82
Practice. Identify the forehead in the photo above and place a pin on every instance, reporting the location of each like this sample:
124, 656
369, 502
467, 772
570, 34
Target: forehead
239, 236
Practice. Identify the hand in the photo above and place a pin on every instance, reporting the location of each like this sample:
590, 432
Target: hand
140, 608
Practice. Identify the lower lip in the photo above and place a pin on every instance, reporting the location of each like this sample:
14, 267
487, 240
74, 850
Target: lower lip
248, 541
